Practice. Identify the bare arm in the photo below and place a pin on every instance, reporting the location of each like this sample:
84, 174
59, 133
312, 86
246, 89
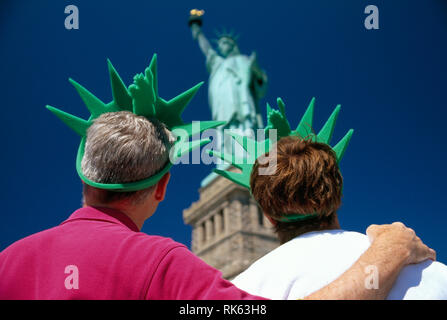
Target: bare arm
393, 247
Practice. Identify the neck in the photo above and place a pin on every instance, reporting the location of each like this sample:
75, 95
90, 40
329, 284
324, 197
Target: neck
134, 213
136, 218
335, 225
285, 234
232, 53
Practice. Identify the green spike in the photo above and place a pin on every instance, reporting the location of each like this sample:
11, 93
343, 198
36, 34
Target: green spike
305, 126
169, 112
231, 159
94, 105
242, 179
341, 146
247, 143
269, 124
269, 109
153, 68
121, 96
198, 143
188, 146
179, 103
78, 125
281, 106
325, 134
171, 122
151, 80
253, 148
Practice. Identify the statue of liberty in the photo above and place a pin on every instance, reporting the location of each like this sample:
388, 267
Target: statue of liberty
236, 82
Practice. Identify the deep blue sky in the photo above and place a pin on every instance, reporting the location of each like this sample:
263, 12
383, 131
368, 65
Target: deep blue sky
391, 83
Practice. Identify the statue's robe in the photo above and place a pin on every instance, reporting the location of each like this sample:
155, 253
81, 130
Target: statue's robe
235, 85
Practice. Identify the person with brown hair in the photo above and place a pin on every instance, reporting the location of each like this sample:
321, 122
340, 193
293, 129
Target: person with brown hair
301, 200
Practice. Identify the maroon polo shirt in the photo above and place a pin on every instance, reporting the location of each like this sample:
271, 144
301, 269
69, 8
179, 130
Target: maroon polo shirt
99, 253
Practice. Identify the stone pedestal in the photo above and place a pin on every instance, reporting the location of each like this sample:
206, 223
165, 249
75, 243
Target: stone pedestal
229, 230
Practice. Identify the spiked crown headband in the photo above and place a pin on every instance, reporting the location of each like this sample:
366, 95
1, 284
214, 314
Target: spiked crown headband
141, 98
276, 120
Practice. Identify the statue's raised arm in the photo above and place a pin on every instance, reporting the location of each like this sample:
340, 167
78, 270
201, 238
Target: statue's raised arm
195, 23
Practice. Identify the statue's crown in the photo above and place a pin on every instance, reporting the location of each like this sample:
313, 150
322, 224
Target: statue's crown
226, 34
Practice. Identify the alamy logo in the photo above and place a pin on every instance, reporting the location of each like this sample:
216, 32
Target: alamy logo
372, 280
72, 20
72, 280
372, 20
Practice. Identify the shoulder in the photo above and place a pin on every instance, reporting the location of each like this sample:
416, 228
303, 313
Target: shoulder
425, 280
336, 245
320, 243
438, 267
151, 245
23, 245
332, 239
156, 240
427, 270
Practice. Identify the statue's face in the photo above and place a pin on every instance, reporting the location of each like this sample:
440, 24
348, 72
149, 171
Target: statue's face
226, 46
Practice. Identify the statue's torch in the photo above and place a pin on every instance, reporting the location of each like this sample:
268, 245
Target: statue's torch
195, 17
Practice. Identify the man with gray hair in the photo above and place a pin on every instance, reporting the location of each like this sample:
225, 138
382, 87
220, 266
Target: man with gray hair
99, 251
120, 148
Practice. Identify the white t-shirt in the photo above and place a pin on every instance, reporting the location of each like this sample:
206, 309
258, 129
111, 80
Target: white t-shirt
309, 262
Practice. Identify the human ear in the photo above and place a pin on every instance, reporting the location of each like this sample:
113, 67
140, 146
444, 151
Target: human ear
160, 189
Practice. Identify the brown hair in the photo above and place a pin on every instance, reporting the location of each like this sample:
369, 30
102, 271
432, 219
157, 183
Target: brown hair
307, 180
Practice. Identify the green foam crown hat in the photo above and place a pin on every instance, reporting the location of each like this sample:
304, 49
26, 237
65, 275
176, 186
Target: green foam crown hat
276, 119
141, 98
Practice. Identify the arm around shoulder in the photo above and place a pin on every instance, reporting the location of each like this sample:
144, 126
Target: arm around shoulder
393, 247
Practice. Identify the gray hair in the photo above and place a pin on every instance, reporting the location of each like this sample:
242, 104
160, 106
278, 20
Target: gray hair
122, 147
